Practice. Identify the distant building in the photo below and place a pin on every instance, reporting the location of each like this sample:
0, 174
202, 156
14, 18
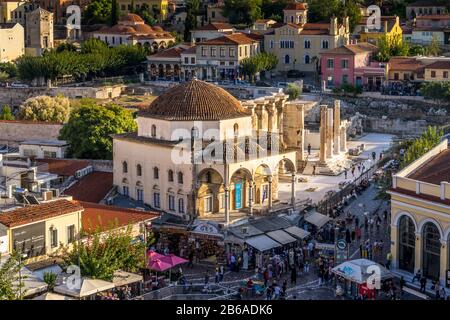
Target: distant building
437, 71
131, 29
214, 13
159, 8
12, 41
420, 216
424, 7
211, 31
298, 44
59, 8
389, 27
39, 31
352, 64
43, 148
263, 24
15, 11
432, 26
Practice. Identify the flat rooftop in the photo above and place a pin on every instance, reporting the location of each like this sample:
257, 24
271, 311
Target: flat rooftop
50, 143
436, 170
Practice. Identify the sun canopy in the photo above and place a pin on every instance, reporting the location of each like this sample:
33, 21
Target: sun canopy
356, 270
122, 278
174, 260
297, 232
52, 296
262, 243
88, 287
159, 265
281, 236
317, 219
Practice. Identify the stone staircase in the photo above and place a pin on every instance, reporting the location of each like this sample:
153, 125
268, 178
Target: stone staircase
415, 287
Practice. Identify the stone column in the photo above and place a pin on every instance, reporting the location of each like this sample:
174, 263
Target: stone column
270, 107
337, 126
250, 197
444, 259
394, 246
270, 192
227, 205
323, 134
293, 190
329, 133
343, 141
301, 132
418, 253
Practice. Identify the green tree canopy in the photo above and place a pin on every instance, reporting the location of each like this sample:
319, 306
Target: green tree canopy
391, 47
273, 9
106, 252
90, 126
6, 113
323, 10
434, 49
9, 68
437, 91
11, 286
429, 139
45, 108
294, 91
97, 11
242, 11
263, 61
115, 13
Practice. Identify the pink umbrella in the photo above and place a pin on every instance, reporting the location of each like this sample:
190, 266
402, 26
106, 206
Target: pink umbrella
154, 255
173, 259
159, 265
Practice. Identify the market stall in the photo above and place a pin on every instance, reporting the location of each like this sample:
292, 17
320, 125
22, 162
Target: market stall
353, 276
297, 232
282, 237
87, 289
263, 245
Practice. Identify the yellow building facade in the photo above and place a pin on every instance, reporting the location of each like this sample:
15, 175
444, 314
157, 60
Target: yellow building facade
157, 7
437, 71
390, 27
420, 216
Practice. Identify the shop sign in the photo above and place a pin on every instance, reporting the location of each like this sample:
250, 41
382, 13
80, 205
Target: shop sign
206, 228
238, 195
342, 244
347, 270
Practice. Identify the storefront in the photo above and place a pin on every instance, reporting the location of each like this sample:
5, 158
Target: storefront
208, 242
263, 246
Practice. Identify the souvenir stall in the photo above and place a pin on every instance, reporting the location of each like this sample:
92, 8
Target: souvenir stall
208, 241
353, 277
263, 252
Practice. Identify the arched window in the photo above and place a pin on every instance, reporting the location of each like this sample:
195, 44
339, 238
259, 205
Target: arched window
406, 244
153, 130
170, 176
307, 59
180, 177
307, 44
155, 173
139, 170
287, 59
124, 167
181, 205
431, 251
292, 19
325, 44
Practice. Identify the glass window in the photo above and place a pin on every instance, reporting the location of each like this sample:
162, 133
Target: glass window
156, 200
126, 191
180, 177
124, 167
232, 52
53, 238
433, 74
155, 173
344, 63
71, 234
140, 194
208, 204
139, 170
431, 251
181, 205
170, 175
222, 51
330, 63
345, 79
171, 202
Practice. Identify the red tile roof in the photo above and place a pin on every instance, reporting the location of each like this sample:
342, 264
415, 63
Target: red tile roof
99, 216
235, 38
174, 52
405, 64
435, 170
353, 49
92, 187
439, 65
64, 167
38, 212
215, 26
420, 196
296, 6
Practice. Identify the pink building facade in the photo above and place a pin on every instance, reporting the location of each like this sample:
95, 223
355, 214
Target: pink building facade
352, 64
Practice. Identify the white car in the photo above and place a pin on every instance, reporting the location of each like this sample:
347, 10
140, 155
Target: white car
19, 85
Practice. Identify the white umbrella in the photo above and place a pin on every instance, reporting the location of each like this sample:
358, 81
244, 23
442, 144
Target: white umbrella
52, 296
88, 287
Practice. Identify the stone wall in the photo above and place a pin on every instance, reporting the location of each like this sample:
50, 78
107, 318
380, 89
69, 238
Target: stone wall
16, 96
13, 132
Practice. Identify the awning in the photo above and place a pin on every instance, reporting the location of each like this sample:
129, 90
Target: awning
317, 219
122, 278
297, 232
357, 270
262, 243
234, 240
88, 287
281, 236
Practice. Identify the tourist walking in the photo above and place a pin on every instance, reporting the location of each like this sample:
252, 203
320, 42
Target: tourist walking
309, 149
423, 284
417, 276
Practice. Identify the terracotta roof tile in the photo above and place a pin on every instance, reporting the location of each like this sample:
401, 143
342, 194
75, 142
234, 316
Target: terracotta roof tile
195, 100
296, 6
235, 39
64, 167
174, 52
353, 48
92, 187
420, 196
215, 26
435, 170
405, 64
99, 216
439, 65
38, 212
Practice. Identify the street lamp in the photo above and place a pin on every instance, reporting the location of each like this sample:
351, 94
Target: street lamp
22, 255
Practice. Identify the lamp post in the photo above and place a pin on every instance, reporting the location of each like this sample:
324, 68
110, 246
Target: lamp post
21, 255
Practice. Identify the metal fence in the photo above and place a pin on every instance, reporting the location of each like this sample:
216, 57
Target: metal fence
335, 198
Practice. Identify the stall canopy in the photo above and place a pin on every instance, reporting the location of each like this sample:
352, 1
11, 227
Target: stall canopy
52, 296
262, 243
317, 219
270, 224
281, 237
122, 278
88, 287
297, 232
356, 270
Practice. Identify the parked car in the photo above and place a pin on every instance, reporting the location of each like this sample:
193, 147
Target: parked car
282, 84
16, 84
295, 74
262, 84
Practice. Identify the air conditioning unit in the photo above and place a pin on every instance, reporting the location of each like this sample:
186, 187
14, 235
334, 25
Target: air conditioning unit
55, 193
244, 230
47, 195
290, 212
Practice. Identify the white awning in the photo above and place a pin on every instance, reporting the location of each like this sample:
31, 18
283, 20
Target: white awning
122, 278
88, 287
262, 243
297, 232
317, 219
281, 236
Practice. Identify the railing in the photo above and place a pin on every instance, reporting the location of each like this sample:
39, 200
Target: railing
192, 292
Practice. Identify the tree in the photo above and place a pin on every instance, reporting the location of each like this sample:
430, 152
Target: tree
250, 66
273, 9
66, 47
434, 49
3, 76
115, 13
294, 91
428, 140
6, 113
90, 126
10, 283
105, 252
45, 108
190, 23
242, 11
437, 91
391, 47
144, 12
9, 68
323, 10
97, 11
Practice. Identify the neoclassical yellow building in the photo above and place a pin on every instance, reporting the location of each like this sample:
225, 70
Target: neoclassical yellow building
420, 220
199, 152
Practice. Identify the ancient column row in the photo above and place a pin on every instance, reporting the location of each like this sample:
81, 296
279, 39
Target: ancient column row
333, 138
